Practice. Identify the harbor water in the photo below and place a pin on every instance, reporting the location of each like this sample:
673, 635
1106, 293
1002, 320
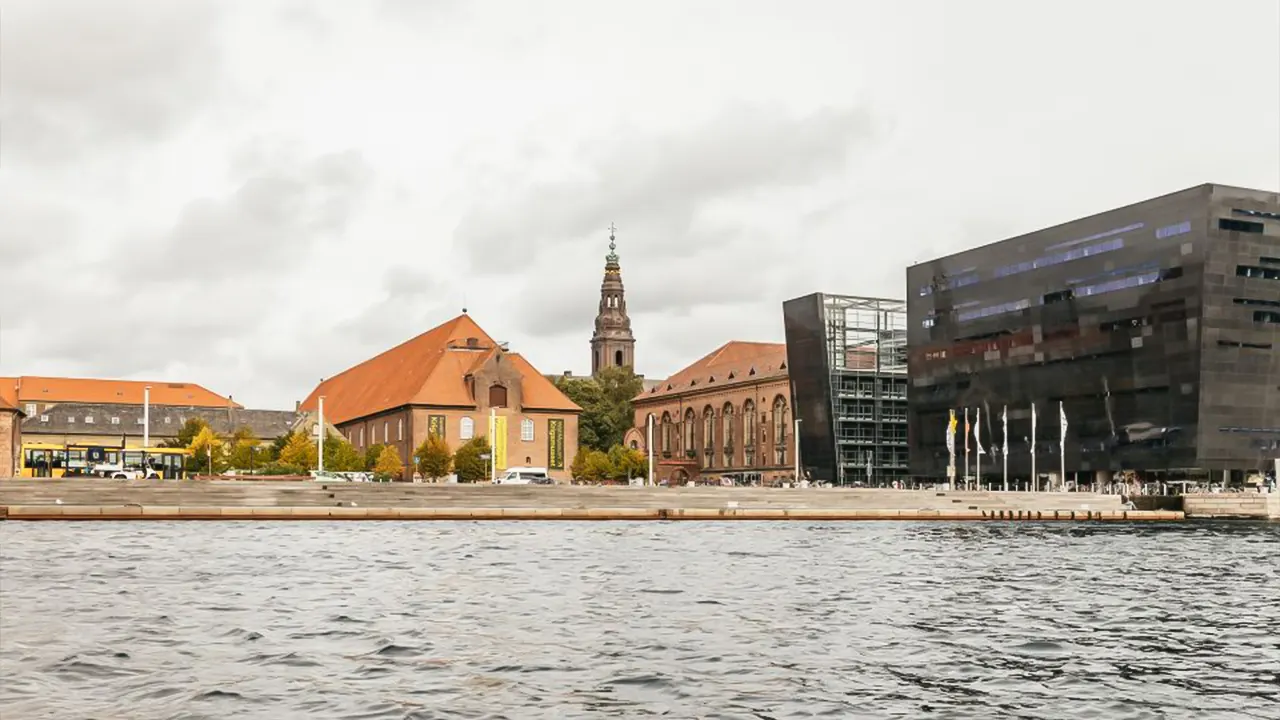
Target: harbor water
598, 620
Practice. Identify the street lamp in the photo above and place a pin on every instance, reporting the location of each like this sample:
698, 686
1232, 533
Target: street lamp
796, 441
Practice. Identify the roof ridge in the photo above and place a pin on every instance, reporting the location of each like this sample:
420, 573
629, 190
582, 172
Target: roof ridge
451, 324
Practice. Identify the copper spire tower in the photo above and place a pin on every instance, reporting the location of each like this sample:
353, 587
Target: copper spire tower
612, 344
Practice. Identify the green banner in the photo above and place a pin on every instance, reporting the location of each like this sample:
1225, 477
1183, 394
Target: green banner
555, 444
436, 425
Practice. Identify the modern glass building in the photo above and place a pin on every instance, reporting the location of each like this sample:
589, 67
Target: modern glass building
1155, 327
847, 357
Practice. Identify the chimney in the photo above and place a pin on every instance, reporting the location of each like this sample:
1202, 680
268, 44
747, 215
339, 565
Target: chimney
297, 406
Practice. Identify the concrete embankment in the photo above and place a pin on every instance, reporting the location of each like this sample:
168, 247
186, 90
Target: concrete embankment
1240, 506
227, 500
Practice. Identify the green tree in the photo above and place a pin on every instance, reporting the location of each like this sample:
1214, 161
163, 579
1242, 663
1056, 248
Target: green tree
607, 410
434, 457
578, 468
468, 462
207, 450
242, 450
597, 467
389, 465
187, 433
371, 455
340, 455
299, 452
625, 463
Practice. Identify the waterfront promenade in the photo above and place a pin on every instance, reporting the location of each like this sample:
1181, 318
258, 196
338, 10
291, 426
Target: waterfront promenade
267, 500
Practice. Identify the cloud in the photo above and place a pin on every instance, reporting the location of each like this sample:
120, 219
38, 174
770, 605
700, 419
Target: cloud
274, 218
80, 75
663, 179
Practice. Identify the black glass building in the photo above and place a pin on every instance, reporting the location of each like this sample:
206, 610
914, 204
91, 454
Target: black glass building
847, 359
1155, 325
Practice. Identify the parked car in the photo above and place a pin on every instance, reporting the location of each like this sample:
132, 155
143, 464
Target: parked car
524, 476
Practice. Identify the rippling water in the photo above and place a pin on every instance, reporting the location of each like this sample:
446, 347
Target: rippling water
565, 620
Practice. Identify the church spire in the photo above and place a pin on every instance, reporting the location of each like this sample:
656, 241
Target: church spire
612, 344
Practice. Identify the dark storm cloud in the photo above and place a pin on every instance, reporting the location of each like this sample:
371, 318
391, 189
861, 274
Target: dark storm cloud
80, 75
663, 180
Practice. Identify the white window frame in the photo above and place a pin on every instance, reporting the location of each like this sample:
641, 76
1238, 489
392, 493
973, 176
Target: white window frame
386, 431
31, 409
362, 438
88, 419
400, 429
526, 430
466, 428
115, 421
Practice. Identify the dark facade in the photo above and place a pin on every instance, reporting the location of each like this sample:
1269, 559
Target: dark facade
1155, 325
847, 358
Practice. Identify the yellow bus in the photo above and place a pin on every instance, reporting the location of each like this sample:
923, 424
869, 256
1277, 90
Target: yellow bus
50, 460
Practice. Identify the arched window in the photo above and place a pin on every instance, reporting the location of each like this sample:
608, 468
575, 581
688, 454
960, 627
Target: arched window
526, 430
780, 430
666, 433
690, 424
361, 436
497, 396
726, 425
466, 429
635, 445
708, 436
617, 358
400, 429
749, 433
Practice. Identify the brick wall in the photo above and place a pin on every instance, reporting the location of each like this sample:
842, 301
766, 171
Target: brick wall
1232, 505
10, 443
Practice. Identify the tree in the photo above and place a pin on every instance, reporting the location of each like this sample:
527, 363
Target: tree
187, 433
340, 455
434, 457
206, 450
371, 455
625, 463
389, 464
243, 451
299, 452
607, 411
468, 463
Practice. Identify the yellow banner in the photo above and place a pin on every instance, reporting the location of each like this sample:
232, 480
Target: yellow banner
499, 443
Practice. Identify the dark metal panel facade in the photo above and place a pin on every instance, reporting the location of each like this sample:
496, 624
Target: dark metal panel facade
1104, 314
810, 384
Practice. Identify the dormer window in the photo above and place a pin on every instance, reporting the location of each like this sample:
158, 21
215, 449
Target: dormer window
732, 376
711, 379
497, 396
751, 372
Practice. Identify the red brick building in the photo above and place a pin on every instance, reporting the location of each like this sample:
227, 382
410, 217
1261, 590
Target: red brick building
727, 415
10, 429
447, 381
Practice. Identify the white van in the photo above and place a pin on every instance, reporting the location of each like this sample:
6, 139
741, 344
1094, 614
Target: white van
524, 476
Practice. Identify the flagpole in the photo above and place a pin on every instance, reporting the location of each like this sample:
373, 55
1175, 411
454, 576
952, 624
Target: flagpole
951, 449
1035, 479
977, 458
1004, 454
966, 448
1062, 446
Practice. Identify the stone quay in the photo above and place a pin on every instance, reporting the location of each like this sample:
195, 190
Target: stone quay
88, 499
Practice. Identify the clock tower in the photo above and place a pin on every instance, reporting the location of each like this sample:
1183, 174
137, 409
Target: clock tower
612, 344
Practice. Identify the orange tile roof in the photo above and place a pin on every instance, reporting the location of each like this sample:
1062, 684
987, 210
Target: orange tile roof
8, 393
115, 392
733, 363
430, 369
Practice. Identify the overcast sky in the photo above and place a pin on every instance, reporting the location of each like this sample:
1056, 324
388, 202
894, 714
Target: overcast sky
253, 195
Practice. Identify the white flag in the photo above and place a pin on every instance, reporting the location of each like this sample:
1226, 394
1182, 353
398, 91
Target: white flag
977, 433
1004, 419
951, 435
1062, 418
1033, 427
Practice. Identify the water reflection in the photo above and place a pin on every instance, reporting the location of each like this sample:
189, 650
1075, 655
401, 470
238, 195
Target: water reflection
561, 620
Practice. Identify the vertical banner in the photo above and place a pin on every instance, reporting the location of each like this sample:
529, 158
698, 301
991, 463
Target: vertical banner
951, 445
499, 443
555, 444
435, 426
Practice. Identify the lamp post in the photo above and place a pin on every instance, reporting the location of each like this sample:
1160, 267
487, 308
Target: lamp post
146, 417
320, 436
796, 441
649, 446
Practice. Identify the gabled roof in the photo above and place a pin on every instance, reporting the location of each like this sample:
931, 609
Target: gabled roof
34, 389
733, 363
166, 421
8, 394
430, 369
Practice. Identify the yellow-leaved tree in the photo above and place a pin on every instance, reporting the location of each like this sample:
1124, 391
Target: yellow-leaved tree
434, 457
389, 465
206, 450
299, 453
